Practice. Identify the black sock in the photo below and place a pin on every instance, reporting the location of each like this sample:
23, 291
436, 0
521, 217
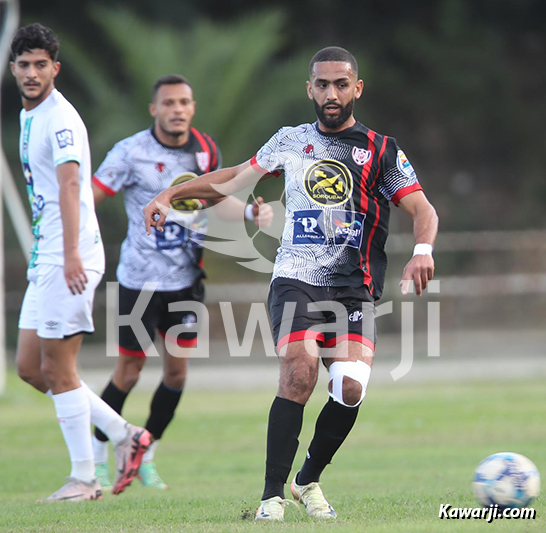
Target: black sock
333, 425
285, 421
115, 398
162, 409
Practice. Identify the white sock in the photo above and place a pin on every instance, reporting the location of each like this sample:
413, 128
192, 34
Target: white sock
105, 418
81, 470
149, 455
48, 393
100, 451
73, 413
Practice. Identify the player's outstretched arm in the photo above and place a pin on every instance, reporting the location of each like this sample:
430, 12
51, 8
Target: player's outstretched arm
420, 268
217, 184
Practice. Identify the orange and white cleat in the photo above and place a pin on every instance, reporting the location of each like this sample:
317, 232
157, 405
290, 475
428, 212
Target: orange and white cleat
129, 453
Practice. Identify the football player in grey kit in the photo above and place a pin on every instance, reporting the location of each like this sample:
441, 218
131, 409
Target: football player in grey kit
142, 166
339, 177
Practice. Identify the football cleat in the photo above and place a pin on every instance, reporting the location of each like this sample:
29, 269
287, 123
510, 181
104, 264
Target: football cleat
272, 509
149, 477
129, 454
313, 500
101, 471
76, 490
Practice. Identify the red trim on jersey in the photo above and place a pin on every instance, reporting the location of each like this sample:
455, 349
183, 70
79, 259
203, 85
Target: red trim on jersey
214, 151
131, 353
372, 233
255, 165
300, 336
350, 337
381, 152
364, 196
377, 213
105, 188
368, 166
404, 191
204, 146
183, 343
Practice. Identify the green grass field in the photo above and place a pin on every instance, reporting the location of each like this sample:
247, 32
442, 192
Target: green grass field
413, 448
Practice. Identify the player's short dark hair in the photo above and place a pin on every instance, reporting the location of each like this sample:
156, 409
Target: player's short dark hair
168, 79
35, 36
333, 53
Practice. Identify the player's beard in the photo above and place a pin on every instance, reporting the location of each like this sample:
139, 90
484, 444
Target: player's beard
333, 122
39, 96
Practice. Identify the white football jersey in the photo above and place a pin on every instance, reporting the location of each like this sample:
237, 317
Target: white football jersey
53, 133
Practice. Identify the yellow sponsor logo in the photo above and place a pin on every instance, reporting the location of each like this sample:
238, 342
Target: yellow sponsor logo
328, 182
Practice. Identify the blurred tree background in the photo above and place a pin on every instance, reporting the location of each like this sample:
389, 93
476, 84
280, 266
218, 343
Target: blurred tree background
460, 83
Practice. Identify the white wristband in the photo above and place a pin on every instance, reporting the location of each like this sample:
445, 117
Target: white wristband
422, 248
249, 215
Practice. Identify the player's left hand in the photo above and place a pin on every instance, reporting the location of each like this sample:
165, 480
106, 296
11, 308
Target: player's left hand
74, 273
263, 213
420, 270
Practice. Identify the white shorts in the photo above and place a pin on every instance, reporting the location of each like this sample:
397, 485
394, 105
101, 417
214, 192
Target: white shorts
51, 309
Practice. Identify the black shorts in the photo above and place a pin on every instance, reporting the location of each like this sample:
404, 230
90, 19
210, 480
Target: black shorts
158, 317
357, 323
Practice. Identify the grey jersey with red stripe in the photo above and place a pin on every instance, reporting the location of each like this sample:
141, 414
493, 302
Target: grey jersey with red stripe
143, 167
338, 188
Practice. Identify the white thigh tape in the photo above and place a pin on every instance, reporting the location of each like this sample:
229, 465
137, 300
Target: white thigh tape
357, 370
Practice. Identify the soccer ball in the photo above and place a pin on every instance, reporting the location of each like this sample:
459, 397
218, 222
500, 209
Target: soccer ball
507, 479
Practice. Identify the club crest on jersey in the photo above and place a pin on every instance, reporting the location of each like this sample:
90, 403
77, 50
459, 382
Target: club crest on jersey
328, 182
404, 165
360, 155
64, 138
203, 160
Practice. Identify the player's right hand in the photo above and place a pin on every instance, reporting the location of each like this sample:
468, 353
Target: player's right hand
156, 212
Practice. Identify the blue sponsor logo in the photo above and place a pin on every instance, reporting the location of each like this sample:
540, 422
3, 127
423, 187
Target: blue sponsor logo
173, 236
348, 228
65, 138
309, 227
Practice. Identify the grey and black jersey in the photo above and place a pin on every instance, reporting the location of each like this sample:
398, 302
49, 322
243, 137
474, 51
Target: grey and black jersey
142, 167
338, 187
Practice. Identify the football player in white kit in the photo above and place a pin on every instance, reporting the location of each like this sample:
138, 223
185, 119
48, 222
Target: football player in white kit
66, 265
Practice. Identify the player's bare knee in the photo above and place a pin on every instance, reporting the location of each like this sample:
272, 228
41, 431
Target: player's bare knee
127, 379
348, 382
351, 391
127, 372
175, 378
29, 375
54, 377
297, 386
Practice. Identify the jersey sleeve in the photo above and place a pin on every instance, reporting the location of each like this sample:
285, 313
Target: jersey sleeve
114, 172
268, 160
397, 178
68, 137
